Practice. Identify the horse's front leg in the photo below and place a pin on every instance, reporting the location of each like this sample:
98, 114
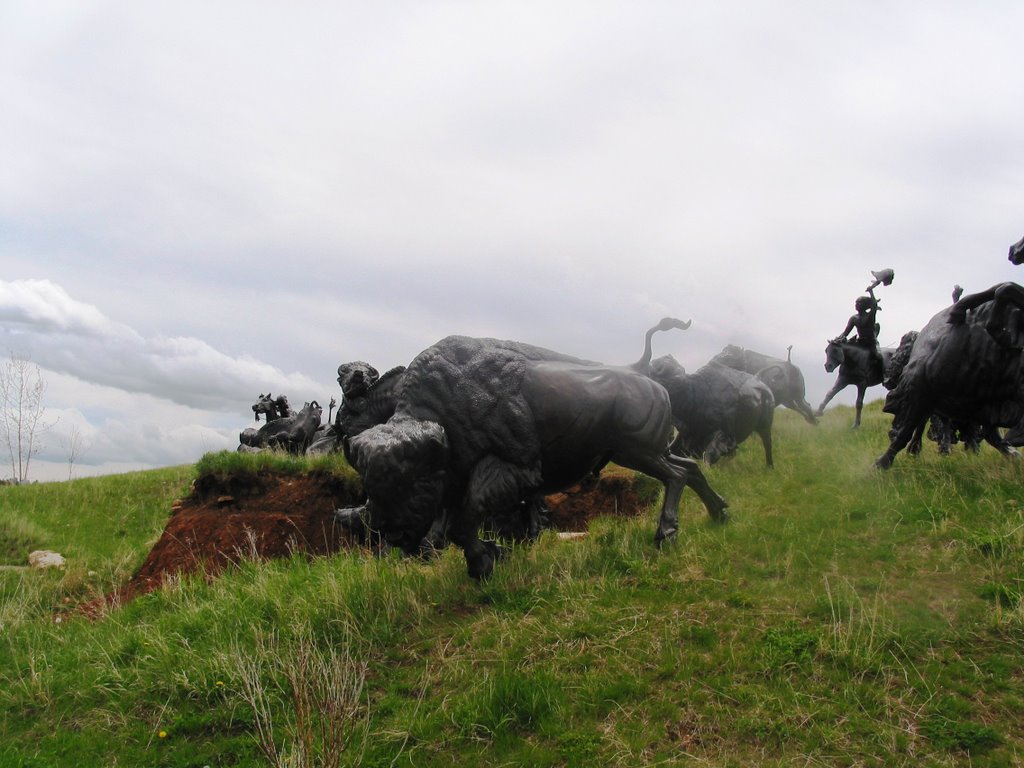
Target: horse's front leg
836, 389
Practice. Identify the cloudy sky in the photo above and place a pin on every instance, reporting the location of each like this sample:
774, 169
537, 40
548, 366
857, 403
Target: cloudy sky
201, 202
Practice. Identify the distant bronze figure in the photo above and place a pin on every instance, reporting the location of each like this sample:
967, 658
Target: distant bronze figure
292, 433
272, 408
482, 425
860, 361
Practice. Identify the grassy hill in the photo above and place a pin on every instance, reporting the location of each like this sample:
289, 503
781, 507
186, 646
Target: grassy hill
845, 616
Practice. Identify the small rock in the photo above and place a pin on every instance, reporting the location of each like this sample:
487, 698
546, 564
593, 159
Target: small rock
571, 535
43, 558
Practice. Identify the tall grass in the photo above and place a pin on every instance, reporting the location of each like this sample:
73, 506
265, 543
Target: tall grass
845, 616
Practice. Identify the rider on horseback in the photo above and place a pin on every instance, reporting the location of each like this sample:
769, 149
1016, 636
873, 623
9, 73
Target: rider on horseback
864, 322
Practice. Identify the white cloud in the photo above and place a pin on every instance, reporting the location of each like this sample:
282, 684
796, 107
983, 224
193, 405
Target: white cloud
67, 336
42, 306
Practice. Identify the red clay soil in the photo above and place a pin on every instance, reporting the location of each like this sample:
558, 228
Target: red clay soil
274, 515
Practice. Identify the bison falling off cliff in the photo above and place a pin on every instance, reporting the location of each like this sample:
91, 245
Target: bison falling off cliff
480, 425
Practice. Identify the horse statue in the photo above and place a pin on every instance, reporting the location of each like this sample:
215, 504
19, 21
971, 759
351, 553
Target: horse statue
291, 433
857, 366
271, 407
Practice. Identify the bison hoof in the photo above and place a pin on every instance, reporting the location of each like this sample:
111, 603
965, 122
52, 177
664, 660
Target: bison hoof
481, 568
883, 462
481, 564
663, 535
498, 552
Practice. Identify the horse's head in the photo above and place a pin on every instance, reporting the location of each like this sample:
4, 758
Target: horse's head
265, 405
834, 355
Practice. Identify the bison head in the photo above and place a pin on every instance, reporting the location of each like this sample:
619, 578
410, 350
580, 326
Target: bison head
731, 355
355, 378
667, 371
403, 465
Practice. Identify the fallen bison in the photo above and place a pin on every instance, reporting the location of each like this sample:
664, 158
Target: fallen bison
966, 366
715, 409
482, 425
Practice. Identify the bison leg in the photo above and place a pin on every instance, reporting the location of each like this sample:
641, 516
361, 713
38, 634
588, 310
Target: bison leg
720, 445
766, 441
495, 488
909, 423
993, 438
802, 407
914, 446
480, 555
715, 504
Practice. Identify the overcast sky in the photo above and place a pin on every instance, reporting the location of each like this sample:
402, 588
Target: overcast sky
201, 202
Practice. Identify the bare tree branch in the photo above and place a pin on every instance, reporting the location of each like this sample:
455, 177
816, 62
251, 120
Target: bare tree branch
22, 422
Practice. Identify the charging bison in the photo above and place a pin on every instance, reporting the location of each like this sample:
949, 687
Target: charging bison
783, 378
480, 425
966, 366
716, 408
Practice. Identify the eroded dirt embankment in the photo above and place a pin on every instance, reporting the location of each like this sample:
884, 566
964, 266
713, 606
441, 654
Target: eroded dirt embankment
274, 515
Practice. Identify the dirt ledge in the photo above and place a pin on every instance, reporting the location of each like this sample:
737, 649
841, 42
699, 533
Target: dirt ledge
269, 514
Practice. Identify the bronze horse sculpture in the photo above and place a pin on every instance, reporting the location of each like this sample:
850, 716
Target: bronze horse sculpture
273, 408
857, 367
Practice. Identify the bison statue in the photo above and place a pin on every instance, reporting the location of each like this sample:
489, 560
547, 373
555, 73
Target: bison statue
482, 425
716, 408
784, 379
965, 365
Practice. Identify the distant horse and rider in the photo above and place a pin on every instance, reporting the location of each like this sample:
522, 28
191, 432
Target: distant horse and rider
860, 361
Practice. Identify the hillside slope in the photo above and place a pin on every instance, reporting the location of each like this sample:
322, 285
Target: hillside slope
844, 617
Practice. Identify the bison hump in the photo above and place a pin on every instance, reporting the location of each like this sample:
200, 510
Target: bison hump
588, 400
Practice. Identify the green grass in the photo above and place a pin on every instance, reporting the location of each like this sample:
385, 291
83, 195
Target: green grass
845, 616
